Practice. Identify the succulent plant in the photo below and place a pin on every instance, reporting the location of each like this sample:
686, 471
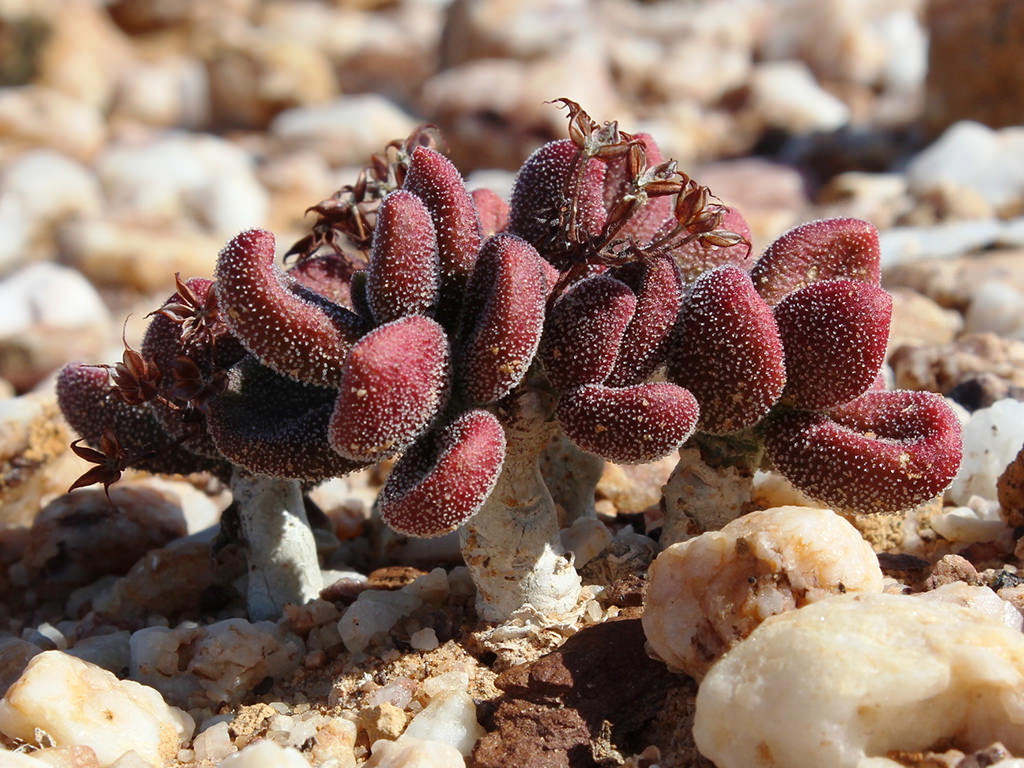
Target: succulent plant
462, 336
785, 362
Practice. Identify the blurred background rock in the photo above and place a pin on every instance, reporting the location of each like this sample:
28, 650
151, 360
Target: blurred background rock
136, 136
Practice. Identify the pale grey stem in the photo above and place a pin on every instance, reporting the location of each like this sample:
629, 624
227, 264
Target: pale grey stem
699, 497
512, 545
571, 475
279, 546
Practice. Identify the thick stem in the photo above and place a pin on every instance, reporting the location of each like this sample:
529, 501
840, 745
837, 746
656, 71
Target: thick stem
711, 485
279, 546
571, 475
512, 545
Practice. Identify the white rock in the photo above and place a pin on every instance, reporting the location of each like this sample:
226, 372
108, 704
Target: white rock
414, 753
213, 743
129, 760
979, 520
173, 92
345, 132
51, 186
47, 295
992, 438
707, 593
265, 754
14, 232
204, 666
455, 680
785, 95
176, 175
996, 308
35, 115
451, 719
375, 611
973, 157
585, 538
79, 703
981, 599
857, 676
20, 760
424, 639
335, 741
878, 43
942, 241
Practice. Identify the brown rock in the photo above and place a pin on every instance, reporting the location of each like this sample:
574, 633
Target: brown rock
84, 54
983, 390
635, 487
953, 283
920, 321
35, 463
974, 67
14, 657
179, 578
672, 729
1010, 487
951, 569
941, 368
254, 75
79, 537
393, 577
531, 735
384, 721
591, 696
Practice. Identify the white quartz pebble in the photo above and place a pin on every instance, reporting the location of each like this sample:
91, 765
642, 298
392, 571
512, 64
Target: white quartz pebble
413, 753
992, 437
857, 676
450, 718
709, 592
265, 754
76, 702
205, 665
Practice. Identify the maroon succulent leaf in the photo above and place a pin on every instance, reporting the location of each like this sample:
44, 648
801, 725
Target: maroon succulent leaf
435, 181
492, 209
395, 382
328, 274
834, 333
883, 452
92, 407
727, 351
444, 479
701, 255
659, 297
288, 327
502, 319
540, 200
272, 425
628, 425
404, 276
819, 250
584, 330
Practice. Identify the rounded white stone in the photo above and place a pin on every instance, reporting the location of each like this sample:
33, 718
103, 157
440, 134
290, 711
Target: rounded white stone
707, 593
856, 676
78, 703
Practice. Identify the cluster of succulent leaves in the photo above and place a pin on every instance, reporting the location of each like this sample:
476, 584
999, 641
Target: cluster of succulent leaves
416, 312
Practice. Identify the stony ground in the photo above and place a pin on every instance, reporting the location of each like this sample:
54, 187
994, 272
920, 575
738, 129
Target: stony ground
138, 136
